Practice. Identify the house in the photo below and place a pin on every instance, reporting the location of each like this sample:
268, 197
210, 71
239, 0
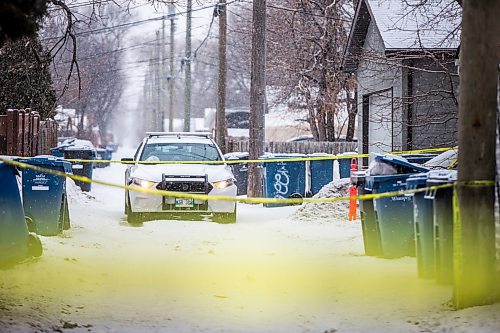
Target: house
404, 60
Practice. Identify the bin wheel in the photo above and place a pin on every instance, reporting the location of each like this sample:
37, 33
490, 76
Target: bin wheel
296, 196
30, 224
225, 218
66, 220
35, 248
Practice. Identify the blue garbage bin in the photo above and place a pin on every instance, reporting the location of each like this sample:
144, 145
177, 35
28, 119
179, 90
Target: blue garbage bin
443, 223
345, 165
321, 172
108, 156
81, 168
371, 234
44, 196
101, 155
423, 224
113, 147
16, 243
284, 179
59, 150
240, 170
394, 215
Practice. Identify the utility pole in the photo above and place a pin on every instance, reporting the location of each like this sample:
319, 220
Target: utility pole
187, 68
220, 120
146, 105
159, 95
257, 96
171, 14
163, 75
474, 225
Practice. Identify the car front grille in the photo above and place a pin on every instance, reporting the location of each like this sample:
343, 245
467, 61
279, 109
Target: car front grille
185, 184
187, 187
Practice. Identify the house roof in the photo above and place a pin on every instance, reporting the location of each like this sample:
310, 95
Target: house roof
432, 26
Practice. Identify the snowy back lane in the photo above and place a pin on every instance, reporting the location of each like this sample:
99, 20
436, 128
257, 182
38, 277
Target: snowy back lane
266, 273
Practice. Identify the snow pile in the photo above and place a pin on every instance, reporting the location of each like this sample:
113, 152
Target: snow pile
75, 194
314, 211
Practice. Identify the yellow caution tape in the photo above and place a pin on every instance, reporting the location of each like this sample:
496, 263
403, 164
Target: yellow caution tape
271, 160
241, 199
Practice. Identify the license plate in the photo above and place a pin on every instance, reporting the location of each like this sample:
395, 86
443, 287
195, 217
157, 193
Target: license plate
180, 202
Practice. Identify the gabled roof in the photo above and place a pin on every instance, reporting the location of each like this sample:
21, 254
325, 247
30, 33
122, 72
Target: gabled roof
432, 26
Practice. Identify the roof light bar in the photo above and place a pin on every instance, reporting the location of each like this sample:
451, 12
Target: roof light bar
179, 134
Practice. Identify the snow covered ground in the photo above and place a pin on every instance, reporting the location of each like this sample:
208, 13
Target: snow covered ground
269, 272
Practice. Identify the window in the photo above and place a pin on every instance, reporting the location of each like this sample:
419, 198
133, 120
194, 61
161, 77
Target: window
180, 152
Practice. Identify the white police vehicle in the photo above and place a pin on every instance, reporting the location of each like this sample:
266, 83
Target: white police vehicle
199, 178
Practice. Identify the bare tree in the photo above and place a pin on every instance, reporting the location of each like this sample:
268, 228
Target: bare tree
97, 89
306, 41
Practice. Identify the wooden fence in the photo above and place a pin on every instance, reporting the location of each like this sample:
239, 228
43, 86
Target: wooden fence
23, 134
302, 147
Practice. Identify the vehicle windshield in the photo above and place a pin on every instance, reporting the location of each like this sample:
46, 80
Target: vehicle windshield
180, 152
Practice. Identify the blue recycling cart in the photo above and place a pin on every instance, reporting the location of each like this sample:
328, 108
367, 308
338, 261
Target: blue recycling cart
108, 156
394, 214
82, 168
285, 179
102, 154
44, 195
345, 164
443, 223
321, 172
423, 224
16, 243
240, 170
59, 150
371, 234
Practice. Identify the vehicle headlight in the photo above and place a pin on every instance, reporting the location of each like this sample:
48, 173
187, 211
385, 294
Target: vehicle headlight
224, 183
142, 183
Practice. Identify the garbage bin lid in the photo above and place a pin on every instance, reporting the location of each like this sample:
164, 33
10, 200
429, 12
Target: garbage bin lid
399, 161
442, 176
443, 160
357, 176
279, 155
78, 143
319, 154
79, 148
416, 179
239, 155
47, 160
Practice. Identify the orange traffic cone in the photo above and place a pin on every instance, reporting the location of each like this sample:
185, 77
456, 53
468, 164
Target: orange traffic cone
353, 191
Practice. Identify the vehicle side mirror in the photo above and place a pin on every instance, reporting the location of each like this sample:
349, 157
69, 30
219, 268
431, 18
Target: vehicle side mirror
127, 160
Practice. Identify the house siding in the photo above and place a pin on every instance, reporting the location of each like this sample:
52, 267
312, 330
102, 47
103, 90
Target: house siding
433, 103
376, 73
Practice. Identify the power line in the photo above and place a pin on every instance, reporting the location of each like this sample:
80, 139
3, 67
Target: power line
130, 47
297, 10
134, 23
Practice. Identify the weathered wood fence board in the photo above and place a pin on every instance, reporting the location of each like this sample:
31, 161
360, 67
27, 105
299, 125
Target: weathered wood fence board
305, 147
20, 133
47, 136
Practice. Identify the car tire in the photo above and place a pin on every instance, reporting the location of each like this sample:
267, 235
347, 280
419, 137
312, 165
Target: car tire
225, 218
134, 219
127, 206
